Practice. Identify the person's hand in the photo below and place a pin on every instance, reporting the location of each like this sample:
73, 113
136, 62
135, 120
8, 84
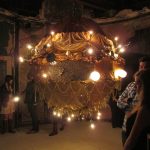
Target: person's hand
125, 100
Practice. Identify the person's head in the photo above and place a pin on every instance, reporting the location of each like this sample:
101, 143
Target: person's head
8, 79
144, 63
142, 80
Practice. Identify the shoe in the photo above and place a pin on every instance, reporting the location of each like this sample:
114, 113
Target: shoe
12, 131
3, 132
62, 128
32, 131
53, 133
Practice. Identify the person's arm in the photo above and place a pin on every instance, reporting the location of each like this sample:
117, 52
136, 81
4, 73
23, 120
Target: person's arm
127, 96
122, 100
142, 121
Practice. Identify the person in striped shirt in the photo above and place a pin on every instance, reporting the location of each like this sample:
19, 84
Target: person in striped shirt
127, 101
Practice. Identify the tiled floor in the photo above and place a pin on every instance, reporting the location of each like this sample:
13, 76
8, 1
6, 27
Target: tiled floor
76, 136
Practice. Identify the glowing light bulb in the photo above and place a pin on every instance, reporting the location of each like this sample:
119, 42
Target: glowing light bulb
16, 99
21, 59
119, 46
92, 125
69, 119
44, 75
122, 50
29, 46
120, 73
67, 53
98, 117
58, 114
72, 115
91, 32
90, 51
54, 113
95, 76
52, 32
116, 38
48, 45
99, 114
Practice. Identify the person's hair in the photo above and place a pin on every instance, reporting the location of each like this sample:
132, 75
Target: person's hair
8, 78
144, 77
146, 60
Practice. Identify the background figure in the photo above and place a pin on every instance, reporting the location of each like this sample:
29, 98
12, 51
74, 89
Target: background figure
127, 101
7, 106
31, 99
137, 139
58, 123
117, 114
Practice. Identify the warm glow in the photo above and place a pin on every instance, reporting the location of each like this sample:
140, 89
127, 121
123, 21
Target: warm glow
52, 32
83, 118
99, 114
69, 119
54, 113
58, 115
120, 73
48, 45
122, 50
98, 117
44, 75
67, 53
29, 46
119, 46
72, 115
16, 99
53, 63
21, 59
95, 76
116, 38
90, 51
92, 125
91, 32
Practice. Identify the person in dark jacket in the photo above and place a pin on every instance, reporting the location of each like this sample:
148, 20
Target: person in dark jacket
31, 99
7, 106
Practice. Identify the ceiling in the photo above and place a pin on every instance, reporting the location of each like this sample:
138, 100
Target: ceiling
98, 8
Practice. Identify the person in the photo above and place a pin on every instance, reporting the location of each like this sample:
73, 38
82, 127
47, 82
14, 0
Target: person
137, 139
31, 99
116, 113
7, 107
127, 101
56, 121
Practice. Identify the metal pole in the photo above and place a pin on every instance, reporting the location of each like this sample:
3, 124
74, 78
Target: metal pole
16, 67
16, 55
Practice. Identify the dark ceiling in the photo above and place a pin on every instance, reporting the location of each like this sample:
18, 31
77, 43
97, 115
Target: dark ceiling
99, 8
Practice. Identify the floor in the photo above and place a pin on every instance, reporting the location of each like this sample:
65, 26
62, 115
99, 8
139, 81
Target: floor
76, 136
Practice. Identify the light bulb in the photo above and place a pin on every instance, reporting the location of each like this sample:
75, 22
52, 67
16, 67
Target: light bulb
92, 125
21, 59
95, 76
16, 99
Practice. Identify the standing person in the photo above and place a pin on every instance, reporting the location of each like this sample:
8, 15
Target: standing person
31, 99
137, 139
56, 121
116, 114
7, 106
127, 101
